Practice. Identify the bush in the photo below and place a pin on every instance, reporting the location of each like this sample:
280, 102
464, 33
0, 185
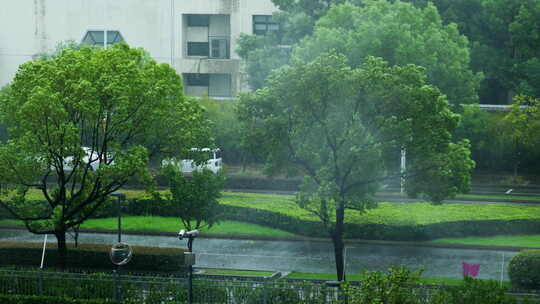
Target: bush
473, 291
24, 299
377, 287
93, 256
524, 270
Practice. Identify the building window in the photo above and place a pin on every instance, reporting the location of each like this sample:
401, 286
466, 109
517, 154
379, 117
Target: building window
98, 38
198, 49
213, 85
198, 20
219, 47
263, 24
197, 80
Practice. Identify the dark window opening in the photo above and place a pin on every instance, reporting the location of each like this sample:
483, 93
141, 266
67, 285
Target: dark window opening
198, 49
199, 80
263, 24
198, 20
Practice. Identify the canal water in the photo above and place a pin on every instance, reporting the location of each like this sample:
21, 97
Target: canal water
309, 256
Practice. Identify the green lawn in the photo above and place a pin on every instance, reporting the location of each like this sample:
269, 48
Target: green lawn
391, 213
234, 272
356, 277
508, 197
499, 240
172, 224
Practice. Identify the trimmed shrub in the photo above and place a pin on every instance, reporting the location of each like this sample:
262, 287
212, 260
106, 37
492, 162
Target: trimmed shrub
24, 299
474, 291
93, 256
524, 270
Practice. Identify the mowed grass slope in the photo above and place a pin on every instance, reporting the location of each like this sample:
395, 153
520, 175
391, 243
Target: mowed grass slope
405, 214
397, 214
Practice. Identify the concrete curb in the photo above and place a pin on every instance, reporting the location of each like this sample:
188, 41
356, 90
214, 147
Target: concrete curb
306, 239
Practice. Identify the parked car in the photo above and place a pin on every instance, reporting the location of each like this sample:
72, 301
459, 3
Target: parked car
213, 161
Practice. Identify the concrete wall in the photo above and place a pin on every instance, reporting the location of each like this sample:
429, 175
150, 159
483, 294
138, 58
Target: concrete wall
29, 27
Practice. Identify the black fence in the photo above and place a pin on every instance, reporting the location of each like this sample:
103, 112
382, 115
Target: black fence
150, 290
115, 287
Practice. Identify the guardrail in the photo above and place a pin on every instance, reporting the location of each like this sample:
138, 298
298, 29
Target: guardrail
154, 289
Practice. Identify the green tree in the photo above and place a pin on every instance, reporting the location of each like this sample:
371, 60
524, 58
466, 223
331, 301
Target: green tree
194, 198
522, 127
76, 123
505, 44
401, 34
343, 128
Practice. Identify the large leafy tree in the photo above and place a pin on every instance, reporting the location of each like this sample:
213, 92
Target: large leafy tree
401, 34
78, 123
342, 128
504, 43
522, 128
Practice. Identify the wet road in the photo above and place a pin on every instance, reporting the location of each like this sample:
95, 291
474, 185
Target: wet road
307, 256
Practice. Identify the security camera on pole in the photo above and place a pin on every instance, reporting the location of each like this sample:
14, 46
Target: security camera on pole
189, 258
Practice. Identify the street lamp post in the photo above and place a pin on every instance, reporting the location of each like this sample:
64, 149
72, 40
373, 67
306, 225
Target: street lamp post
120, 253
189, 258
120, 197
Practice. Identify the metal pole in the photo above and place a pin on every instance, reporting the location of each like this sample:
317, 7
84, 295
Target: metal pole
43, 252
118, 209
403, 167
190, 273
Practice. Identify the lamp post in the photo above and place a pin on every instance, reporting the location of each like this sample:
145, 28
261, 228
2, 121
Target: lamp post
189, 258
120, 253
120, 197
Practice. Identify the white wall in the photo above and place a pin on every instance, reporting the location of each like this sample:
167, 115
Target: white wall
28, 27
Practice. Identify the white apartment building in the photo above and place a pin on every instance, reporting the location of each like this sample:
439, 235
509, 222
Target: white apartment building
197, 37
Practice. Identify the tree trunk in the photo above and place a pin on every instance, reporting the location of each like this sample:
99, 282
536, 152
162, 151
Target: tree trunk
62, 249
337, 239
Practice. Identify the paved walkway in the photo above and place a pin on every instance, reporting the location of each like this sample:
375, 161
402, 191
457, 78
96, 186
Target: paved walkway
310, 256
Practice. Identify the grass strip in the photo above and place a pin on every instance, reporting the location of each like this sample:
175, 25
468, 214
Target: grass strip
397, 214
357, 277
532, 240
172, 224
234, 272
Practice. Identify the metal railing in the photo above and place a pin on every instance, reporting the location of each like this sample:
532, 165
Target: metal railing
160, 290
150, 290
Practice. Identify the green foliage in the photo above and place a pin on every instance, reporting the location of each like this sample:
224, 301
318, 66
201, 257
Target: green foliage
226, 131
376, 287
30, 299
93, 257
524, 270
401, 34
117, 102
504, 36
524, 121
474, 291
194, 199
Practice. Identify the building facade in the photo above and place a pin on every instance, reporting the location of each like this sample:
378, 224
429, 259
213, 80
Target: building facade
197, 37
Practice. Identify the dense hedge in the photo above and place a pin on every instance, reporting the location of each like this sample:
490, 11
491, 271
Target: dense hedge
524, 270
262, 183
93, 256
25, 299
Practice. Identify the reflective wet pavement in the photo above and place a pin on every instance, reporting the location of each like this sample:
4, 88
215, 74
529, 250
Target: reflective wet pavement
307, 256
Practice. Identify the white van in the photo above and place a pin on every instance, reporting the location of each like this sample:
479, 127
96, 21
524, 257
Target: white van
214, 162
89, 156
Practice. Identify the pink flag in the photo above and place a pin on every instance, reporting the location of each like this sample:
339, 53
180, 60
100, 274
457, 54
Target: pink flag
470, 269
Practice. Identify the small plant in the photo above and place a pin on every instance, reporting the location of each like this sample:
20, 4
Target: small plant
473, 291
377, 287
